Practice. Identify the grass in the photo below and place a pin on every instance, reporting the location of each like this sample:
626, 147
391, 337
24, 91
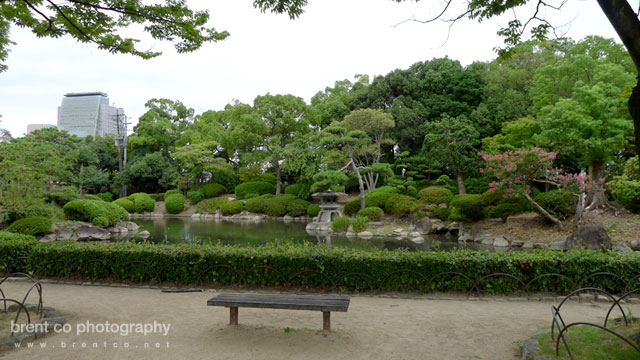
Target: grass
587, 342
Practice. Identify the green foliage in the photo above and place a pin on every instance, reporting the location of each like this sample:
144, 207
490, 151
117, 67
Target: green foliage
88, 210
313, 210
254, 187
41, 210
329, 180
210, 206
150, 173
504, 210
341, 224
297, 207
225, 177
195, 196
628, 194
172, 192
231, 207
467, 206
63, 196
258, 204
373, 198
301, 190
373, 213
36, 226
359, 223
401, 205
125, 203
157, 197
100, 221
14, 251
174, 203
105, 196
560, 203
212, 190
92, 197
281, 205
441, 213
142, 202
435, 195
476, 185
632, 169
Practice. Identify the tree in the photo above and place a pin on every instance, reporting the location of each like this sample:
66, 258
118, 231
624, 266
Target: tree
283, 117
150, 173
5, 135
91, 179
452, 142
195, 160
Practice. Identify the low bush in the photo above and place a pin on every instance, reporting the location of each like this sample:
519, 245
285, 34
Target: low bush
254, 187
63, 196
377, 199
157, 197
14, 251
504, 210
627, 193
142, 202
36, 226
174, 203
438, 212
195, 196
100, 221
225, 177
14, 213
435, 195
171, 192
559, 203
92, 197
476, 185
359, 223
373, 213
125, 203
231, 207
210, 206
88, 210
301, 190
258, 205
470, 206
297, 207
212, 190
313, 210
401, 205
341, 224
105, 196
281, 205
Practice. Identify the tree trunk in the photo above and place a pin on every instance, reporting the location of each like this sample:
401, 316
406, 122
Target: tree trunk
627, 25
360, 183
461, 188
544, 212
276, 167
596, 198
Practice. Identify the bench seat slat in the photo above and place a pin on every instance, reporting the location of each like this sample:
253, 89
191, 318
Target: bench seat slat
291, 302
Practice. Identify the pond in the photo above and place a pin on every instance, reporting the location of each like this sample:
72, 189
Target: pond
187, 230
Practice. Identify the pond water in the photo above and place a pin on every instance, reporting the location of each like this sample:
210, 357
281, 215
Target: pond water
187, 230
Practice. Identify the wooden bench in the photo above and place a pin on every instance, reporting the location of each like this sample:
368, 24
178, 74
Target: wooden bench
326, 304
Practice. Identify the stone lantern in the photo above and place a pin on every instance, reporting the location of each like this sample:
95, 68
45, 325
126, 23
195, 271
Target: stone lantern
328, 210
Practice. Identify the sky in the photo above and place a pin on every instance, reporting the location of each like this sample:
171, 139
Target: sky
265, 53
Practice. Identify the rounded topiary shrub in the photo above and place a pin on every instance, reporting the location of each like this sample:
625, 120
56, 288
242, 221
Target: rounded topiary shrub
105, 196
231, 207
279, 205
297, 207
313, 210
559, 203
504, 210
359, 223
35, 225
195, 196
258, 204
88, 210
353, 206
341, 224
171, 192
212, 190
92, 197
142, 202
435, 195
373, 213
628, 194
469, 205
174, 203
401, 205
125, 203
100, 221
254, 187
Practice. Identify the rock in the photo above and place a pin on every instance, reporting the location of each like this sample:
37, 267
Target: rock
411, 227
442, 206
529, 348
365, 235
196, 216
414, 234
424, 225
351, 234
48, 238
403, 234
144, 234
517, 243
130, 225
558, 245
88, 233
500, 241
398, 230
487, 241
528, 245
465, 237
621, 248
287, 218
64, 234
589, 236
634, 244
418, 240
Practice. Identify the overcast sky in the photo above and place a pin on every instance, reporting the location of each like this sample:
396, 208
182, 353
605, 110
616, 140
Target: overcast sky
332, 40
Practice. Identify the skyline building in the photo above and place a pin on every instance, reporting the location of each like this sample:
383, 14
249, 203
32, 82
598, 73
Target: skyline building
89, 114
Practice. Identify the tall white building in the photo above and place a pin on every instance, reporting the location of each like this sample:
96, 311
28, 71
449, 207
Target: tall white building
89, 114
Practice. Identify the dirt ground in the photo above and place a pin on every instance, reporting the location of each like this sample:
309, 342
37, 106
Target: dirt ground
375, 327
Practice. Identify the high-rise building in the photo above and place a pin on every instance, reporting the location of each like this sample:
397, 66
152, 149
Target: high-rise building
89, 114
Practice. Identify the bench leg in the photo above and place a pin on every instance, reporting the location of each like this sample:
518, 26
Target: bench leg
233, 316
326, 321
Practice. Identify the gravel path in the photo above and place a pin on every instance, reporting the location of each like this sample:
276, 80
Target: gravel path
375, 327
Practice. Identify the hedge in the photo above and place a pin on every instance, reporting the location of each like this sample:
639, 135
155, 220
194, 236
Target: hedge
377, 199
195, 196
435, 195
254, 187
210, 206
212, 190
401, 205
467, 207
258, 205
88, 210
35, 225
142, 202
125, 203
321, 267
174, 203
232, 207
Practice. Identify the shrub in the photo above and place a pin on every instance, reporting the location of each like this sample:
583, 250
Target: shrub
300, 190
14, 251
341, 224
383, 190
631, 169
446, 182
353, 206
254, 187
456, 215
36, 226
225, 177
401, 205
14, 213
297, 207
88, 210
232, 207
313, 210
435, 195
559, 203
281, 205
100, 221
171, 192
504, 210
628, 194
63, 196
476, 185
142, 202
359, 223
92, 197
210, 206
105, 196
467, 205
195, 196
212, 190
174, 203
377, 199
258, 204
125, 203
373, 213
442, 213
157, 197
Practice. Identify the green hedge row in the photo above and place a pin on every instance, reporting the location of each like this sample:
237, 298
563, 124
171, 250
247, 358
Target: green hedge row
14, 251
317, 266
